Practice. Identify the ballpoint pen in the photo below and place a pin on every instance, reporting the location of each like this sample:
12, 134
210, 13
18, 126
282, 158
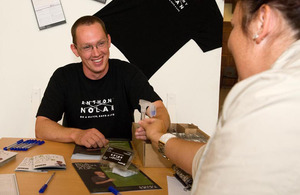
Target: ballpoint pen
13, 145
113, 190
44, 187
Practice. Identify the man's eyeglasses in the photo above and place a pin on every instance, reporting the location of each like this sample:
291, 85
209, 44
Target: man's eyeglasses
90, 48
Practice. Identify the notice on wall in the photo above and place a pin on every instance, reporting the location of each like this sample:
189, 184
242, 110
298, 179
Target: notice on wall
48, 13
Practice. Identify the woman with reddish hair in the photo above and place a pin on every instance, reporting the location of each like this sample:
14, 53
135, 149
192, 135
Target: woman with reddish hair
255, 147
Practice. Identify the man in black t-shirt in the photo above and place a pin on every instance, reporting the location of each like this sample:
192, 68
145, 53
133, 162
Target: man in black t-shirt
97, 96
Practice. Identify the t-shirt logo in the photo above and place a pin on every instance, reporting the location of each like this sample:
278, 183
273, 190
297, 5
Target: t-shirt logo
97, 108
179, 4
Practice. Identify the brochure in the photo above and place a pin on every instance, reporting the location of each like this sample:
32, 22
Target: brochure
98, 177
42, 163
82, 152
6, 156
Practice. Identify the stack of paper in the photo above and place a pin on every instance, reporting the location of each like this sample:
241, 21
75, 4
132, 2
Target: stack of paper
8, 184
6, 156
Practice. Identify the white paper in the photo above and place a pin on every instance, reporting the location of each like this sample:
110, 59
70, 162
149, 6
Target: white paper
85, 156
8, 184
175, 187
6, 156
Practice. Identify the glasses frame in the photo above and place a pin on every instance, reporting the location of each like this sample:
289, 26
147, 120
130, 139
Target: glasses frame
89, 48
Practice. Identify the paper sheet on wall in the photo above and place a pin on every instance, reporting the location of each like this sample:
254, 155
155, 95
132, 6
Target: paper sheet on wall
48, 13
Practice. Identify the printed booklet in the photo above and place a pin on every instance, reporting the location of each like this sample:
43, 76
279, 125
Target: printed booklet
6, 156
81, 152
42, 163
98, 177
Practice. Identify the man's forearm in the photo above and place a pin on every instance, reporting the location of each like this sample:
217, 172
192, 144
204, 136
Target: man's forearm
51, 130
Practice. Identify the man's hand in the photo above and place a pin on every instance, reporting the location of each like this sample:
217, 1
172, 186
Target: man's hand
90, 138
154, 129
140, 133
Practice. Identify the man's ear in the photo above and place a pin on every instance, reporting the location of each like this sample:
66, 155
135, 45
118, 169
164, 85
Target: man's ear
74, 50
264, 23
109, 40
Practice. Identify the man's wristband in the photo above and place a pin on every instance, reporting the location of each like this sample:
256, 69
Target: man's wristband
162, 142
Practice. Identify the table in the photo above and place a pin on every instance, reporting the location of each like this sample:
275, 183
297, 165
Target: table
68, 181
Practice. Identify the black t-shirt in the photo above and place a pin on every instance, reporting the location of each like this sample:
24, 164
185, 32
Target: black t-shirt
149, 32
106, 104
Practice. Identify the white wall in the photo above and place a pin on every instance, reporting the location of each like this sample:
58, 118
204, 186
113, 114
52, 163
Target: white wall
28, 57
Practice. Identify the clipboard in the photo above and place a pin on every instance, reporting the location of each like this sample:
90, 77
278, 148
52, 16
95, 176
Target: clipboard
48, 13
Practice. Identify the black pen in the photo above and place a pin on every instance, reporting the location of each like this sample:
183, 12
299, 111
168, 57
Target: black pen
44, 187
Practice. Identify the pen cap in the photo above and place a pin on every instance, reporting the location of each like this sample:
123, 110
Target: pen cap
113, 190
43, 188
152, 110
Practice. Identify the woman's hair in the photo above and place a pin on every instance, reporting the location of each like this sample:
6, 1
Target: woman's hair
86, 20
290, 9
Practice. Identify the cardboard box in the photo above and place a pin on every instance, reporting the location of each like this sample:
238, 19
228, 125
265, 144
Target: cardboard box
149, 156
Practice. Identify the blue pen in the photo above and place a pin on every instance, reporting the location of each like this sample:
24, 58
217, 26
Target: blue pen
13, 145
44, 187
113, 190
